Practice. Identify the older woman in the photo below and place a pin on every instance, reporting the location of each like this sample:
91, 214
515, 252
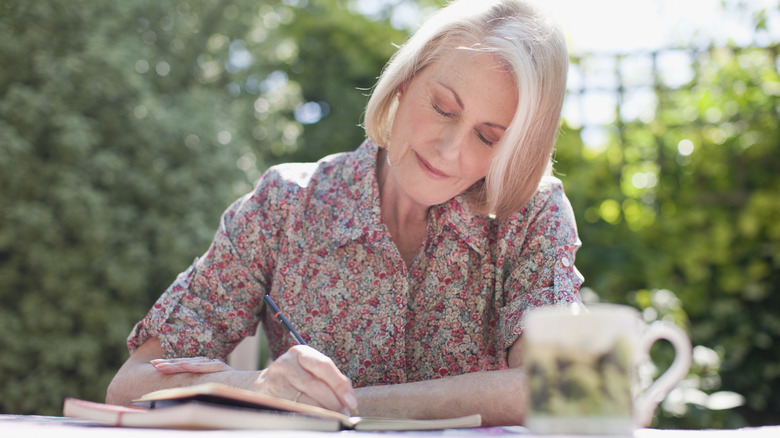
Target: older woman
408, 264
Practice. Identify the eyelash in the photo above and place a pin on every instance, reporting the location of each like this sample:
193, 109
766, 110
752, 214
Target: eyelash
479, 135
484, 140
440, 111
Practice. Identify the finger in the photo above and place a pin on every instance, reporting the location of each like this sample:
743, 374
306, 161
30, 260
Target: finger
213, 366
315, 392
190, 365
181, 359
305, 399
169, 368
330, 379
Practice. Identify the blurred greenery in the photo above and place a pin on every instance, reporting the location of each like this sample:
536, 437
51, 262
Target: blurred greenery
127, 127
690, 202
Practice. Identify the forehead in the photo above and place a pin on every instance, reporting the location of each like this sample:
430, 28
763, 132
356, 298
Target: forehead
469, 67
467, 58
479, 79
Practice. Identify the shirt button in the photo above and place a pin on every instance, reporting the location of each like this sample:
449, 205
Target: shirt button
566, 262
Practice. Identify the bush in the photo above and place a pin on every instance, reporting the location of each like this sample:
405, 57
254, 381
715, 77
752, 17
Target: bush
126, 128
706, 228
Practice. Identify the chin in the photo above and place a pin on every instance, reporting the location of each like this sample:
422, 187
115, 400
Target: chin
427, 200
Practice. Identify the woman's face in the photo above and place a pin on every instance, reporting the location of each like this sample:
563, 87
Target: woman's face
449, 117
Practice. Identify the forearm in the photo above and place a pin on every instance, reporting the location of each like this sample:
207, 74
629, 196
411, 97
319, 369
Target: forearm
302, 374
499, 396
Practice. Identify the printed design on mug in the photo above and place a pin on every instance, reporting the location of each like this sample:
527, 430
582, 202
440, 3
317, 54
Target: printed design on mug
581, 382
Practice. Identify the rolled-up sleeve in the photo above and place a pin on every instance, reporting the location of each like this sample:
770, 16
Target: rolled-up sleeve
544, 273
216, 302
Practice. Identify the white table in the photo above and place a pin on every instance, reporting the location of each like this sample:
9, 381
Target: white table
23, 426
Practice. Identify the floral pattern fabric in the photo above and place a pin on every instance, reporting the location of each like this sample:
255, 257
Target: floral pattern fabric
311, 236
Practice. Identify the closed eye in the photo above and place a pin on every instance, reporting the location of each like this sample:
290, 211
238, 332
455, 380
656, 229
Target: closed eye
442, 112
485, 140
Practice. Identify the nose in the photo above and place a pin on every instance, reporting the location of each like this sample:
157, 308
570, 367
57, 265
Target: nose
451, 143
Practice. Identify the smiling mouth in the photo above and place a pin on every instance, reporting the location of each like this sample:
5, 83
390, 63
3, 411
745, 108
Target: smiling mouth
430, 170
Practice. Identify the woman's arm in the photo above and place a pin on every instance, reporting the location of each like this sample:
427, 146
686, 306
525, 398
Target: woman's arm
301, 369
499, 396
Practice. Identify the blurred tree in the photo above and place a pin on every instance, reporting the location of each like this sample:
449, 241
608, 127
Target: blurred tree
717, 237
100, 155
691, 202
339, 59
125, 129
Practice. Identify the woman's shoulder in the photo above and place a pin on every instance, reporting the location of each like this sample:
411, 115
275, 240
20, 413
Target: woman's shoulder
547, 216
312, 192
334, 171
338, 168
547, 211
549, 196
291, 191
549, 190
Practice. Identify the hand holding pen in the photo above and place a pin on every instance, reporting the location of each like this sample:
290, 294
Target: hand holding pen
302, 374
323, 382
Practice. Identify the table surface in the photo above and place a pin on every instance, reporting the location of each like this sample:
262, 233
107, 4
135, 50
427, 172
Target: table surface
17, 426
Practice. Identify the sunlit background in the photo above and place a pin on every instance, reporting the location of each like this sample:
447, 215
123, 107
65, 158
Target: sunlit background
616, 26
629, 25
673, 30
127, 127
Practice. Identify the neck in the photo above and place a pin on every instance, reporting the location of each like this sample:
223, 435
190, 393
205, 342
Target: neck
406, 220
397, 207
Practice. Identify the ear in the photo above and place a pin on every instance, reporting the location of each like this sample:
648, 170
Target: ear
402, 87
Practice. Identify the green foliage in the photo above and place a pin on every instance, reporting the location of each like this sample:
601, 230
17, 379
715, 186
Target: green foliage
708, 229
125, 130
127, 127
336, 49
98, 188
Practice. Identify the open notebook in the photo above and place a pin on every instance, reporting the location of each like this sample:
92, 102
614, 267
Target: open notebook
216, 406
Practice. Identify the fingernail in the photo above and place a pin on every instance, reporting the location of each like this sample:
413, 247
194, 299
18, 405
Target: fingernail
351, 401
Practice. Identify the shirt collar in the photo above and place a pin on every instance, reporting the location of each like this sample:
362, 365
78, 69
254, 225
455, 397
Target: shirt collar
472, 228
364, 220
363, 216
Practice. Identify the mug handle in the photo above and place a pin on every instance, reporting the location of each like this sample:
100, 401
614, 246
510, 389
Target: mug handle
648, 401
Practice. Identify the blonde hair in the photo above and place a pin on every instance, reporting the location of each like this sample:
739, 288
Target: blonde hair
532, 48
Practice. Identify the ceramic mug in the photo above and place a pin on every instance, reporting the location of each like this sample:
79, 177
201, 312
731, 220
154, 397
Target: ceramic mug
582, 365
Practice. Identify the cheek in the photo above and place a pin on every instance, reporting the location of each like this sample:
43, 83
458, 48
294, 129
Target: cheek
411, 127
416, 117
399, 141
477, 164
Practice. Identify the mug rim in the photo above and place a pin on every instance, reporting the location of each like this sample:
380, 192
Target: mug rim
581, 310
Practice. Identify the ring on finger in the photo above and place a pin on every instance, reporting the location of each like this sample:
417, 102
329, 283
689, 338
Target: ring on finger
297, 396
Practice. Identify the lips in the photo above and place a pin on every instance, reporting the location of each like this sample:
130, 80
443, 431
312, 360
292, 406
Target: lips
431, 171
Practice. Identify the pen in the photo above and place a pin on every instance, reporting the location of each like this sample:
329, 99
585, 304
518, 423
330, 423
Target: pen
283, 319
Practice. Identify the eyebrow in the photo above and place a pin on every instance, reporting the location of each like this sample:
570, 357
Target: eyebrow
460, 104
454, 94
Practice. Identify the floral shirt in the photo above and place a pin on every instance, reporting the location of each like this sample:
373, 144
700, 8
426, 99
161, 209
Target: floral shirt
311, 235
